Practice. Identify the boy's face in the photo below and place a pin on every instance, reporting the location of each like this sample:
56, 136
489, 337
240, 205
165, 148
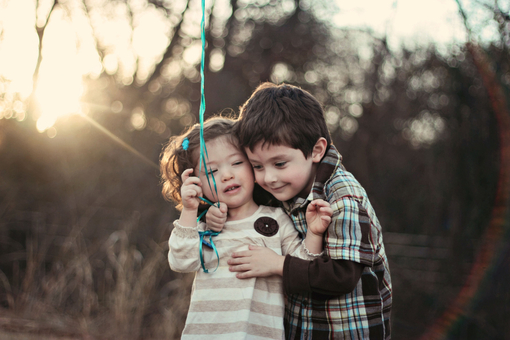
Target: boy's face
281, 170
233, 176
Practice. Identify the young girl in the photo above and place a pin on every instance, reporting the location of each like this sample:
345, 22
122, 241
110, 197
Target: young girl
222, 306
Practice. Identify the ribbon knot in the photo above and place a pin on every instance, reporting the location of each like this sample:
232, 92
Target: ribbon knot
210, 244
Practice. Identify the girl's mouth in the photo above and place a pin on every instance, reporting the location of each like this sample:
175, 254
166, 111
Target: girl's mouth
234, 187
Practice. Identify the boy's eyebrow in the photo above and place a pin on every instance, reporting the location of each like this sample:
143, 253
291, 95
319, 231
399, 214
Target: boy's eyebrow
272, 159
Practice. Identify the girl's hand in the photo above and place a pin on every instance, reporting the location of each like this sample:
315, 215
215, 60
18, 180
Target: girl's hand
318, 216
216, 217
190, 191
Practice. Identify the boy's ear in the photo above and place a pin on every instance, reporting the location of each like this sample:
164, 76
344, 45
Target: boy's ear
319, 150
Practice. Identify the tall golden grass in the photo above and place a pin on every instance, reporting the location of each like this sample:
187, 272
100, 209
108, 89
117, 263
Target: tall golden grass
68, 284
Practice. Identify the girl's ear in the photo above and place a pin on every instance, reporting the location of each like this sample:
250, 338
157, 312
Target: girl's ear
319, 150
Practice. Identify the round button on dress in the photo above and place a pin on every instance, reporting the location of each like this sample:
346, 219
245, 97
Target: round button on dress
266, 226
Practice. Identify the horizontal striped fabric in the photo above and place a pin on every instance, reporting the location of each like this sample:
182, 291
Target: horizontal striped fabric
222, 306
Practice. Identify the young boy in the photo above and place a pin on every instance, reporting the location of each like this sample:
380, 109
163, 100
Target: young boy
347, 293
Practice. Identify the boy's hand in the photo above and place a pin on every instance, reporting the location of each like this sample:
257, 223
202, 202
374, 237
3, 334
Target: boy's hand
256, 262
190, 191
216, 217
318, 216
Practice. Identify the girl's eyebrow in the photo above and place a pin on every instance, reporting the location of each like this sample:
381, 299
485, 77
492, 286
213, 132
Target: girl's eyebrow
235, 154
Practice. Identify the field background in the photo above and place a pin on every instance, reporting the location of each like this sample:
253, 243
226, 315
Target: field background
91, 90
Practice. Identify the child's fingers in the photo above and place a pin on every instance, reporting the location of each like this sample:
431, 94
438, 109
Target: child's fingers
327, 211
191, 188
190, 192
321, 203
221, 213
198, 190
187, 178
326, 219
318, 203
223, 208
312, 206
216, 217
186, 174
192, 181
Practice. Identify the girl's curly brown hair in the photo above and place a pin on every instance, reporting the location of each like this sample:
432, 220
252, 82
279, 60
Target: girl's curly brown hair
174, 159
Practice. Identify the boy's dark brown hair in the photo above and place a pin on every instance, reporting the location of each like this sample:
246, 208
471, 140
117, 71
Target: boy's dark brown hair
176, 157
282, 115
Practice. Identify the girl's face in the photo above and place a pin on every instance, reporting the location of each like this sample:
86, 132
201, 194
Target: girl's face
233, 176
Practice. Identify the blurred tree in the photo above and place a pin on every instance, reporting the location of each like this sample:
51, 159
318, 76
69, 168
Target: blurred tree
415, 126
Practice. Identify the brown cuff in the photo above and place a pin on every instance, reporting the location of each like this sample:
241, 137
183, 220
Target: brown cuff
295, 275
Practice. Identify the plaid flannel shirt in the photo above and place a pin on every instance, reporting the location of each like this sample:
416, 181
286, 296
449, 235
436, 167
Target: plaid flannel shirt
354, 235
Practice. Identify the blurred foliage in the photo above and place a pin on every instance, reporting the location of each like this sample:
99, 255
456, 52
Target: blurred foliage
83, 226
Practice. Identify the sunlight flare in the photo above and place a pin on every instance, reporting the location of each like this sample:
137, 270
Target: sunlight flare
59, 87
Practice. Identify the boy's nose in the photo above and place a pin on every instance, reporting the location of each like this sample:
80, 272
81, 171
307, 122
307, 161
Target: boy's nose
269, 177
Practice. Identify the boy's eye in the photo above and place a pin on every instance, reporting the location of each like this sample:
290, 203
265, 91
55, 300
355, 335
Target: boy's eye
238, 163
280, 164
257, 167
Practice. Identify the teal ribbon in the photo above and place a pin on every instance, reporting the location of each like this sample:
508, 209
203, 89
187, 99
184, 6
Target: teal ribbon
217, 204
204, 156
210, 244
209, 233
203, 148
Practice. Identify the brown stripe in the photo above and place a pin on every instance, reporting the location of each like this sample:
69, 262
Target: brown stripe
229, 282
242, 326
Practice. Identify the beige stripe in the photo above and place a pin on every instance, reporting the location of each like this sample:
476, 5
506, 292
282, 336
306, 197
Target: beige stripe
233, 243
236, 293
183, 255
225, 328
235, 316
233, 305
233, 282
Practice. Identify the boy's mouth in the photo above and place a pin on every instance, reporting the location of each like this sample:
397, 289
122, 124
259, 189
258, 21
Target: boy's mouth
278, 188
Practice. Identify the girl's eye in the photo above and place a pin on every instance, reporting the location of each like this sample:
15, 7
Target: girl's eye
211, 172
280, 164
257, 167
238, 163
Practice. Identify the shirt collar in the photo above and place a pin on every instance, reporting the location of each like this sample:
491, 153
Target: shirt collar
331, 160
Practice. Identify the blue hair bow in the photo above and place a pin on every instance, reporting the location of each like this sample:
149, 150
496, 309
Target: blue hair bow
185, 144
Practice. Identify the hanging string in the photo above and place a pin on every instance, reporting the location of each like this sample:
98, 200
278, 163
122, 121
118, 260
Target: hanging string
204, 156
203, 148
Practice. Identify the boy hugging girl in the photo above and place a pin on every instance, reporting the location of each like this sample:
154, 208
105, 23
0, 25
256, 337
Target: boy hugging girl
344, 292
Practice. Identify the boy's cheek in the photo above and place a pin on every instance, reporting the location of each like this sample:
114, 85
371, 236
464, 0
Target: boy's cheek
259, 179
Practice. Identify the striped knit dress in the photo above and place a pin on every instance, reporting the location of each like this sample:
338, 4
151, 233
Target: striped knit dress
222, 306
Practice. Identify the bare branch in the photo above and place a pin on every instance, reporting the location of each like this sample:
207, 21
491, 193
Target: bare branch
168, 53
40, 34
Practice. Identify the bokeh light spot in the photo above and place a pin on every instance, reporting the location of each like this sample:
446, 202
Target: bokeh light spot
138, 119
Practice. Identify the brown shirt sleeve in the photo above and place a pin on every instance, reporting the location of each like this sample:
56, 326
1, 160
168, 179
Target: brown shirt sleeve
323, 276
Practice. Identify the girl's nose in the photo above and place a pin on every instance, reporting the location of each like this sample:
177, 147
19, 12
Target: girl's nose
227, 176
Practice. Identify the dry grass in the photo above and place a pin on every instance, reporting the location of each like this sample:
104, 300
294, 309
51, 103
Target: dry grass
112, 287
